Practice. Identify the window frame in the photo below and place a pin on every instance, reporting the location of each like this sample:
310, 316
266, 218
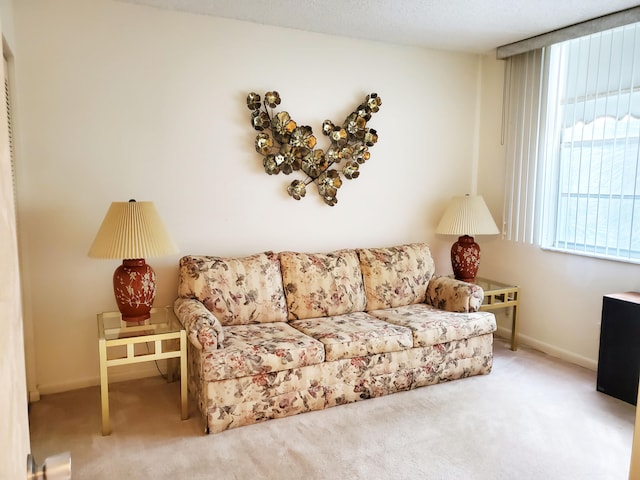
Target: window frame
549, 198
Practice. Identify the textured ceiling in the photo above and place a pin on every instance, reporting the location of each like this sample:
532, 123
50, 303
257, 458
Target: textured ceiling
476, 26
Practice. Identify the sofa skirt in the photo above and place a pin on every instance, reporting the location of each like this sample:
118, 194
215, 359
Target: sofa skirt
236, 402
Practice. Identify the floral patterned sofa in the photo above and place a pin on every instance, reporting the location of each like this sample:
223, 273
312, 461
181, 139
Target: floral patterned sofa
276, 334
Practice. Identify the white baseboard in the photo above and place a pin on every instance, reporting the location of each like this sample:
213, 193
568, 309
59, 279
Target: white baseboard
552, 350
143, 370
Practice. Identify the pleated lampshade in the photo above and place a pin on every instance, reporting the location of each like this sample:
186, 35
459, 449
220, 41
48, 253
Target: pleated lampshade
466, 216
132, 231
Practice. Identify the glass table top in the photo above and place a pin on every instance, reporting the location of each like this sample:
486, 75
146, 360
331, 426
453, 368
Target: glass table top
111, 326
489, 285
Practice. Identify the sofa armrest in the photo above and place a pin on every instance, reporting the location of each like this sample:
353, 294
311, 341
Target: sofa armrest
203, 328
453, 295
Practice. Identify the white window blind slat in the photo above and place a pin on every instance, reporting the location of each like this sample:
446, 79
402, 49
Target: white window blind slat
572, 115
523, 125
7, 99
595, 204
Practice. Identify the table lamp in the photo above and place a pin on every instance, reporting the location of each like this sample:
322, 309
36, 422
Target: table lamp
132, 231
466, 216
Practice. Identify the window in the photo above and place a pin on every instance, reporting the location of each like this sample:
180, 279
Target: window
583, 169
593, 121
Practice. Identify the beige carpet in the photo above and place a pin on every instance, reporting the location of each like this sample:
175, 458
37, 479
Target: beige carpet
534, 417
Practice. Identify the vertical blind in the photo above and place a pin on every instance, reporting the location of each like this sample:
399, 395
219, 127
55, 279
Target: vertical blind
7, 99
572, 126
594, 105
521, 124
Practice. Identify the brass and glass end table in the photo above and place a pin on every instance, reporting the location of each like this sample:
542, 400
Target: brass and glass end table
501, 295
165, 338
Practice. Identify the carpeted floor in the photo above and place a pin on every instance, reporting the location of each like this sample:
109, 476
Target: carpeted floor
534, 417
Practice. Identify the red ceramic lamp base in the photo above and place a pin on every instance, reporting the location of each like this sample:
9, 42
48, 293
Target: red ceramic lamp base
134, 285
465, 258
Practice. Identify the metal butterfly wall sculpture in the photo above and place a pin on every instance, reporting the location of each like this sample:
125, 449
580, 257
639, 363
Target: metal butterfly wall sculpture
287, 147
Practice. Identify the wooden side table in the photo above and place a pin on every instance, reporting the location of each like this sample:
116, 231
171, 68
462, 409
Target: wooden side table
163, 330
501, 295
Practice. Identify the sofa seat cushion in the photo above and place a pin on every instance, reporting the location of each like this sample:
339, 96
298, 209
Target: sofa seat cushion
355, 335
396, 276
431, 326
261, 348
236, 290
322, 285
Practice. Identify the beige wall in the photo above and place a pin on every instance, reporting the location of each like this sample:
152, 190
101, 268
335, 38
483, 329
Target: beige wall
561, 294
14, 434
120, 101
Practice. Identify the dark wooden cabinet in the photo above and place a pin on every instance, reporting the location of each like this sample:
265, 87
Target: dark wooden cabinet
619, 356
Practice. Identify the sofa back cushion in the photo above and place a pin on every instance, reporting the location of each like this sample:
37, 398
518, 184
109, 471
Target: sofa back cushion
396, 276
237, 291
322, 285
